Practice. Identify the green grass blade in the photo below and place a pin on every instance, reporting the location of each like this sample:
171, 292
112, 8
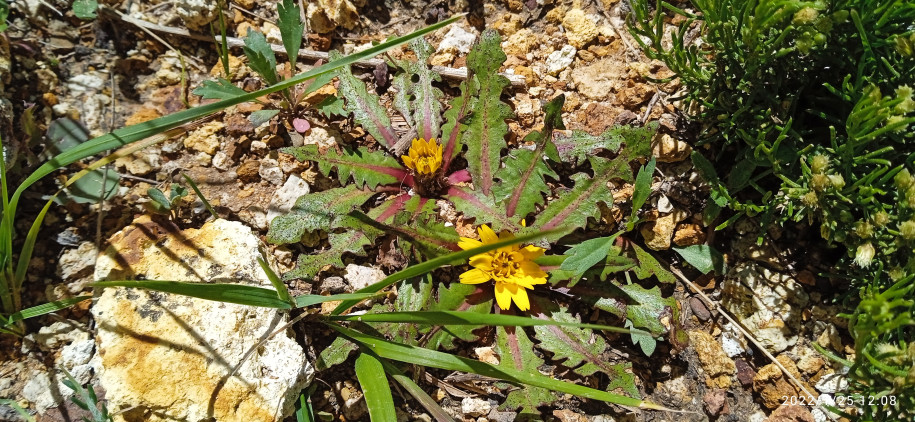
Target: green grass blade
375, 388
435, 359
281, 289
15, 406
25, 255
130, 134
308, 300
428, 266
45, 308
222, 292
203, 199
417, 392
468, 318
304, 412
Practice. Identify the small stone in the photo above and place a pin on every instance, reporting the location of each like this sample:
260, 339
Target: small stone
810, 361
38, 391
77, 262
560, 59
327, 15
806, 277
221, 161
457, 41
475, 407
793, 413
635, 96
712, 358
716, 402
599, 79
699, 309
688, 234
487, 354
745, 372
332, 285
144, 114
270, 171
520, 43
359, 276
321, 137
668, 149
580, 28
830, 338
772, 385
658, 233
248, 171
204, 139
832, 383
196, 14
508, 24
284, 198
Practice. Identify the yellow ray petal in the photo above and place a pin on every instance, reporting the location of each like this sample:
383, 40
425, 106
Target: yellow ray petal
520, 298
487, 235
482, 261
531, 269
503, 297
475, 276
531, 252
467, 243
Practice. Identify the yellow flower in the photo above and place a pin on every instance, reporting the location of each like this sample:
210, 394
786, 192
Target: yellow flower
511, 267
424, 157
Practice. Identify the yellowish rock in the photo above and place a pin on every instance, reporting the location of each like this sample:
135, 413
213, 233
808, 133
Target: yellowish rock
668, 149
204, 139
520, 43
715, 362
658, 233
580, 28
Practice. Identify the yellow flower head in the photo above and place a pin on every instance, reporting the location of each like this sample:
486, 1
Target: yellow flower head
424, 157
511, 267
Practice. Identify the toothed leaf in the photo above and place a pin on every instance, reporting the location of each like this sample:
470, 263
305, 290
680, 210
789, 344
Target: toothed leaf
260, 56
371, 168
583, 256
649, 266
649, 310
219, 89
577, 348
335, 354
421, 97
475, 204
522, 184
576, 146
486, 128
516, 352
353, 241
365, 106
291, 27
316, 211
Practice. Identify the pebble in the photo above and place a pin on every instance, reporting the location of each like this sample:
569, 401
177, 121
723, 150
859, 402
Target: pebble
668, 149
559, 60
716, 402
475, 407
204, 139
658, 233
270, 171
286, 196
716, 364
699, 309
745, 373
359, 276
580, 28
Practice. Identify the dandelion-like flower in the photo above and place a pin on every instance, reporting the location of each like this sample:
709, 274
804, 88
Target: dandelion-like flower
424, 158
511, 267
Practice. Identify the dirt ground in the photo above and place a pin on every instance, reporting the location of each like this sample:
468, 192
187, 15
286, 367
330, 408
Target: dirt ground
109, 72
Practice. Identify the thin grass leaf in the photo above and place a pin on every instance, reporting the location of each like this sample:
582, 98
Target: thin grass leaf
417, 392
15, 405
203, 199
25, 254
375, 388
434, 359
467, 318
221, 292
428, 266
220, 89
44, 308
304, 412
302, 301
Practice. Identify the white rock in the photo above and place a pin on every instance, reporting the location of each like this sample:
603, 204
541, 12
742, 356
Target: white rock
37, 390
475, 407
767, 303
270, 171
197, 14
831, 383
84, 82
321, 137
560, 59
457, 40
221, 161
75, 262
76, 354
56, 335
731, 344
358, 276
170, 355
284, 198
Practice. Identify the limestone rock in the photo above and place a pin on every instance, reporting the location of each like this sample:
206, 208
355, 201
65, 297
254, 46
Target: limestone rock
669, 149
580, 28
327, 15
284, 198
359, 276
716, 364
197, 14
520, 43
558, 60
658, 233
597, 80
772, 385
204, 139
475, 407
321, 137
767, 303
168, 356
456, 42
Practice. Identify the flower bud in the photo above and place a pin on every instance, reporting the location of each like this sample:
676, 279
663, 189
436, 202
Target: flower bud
864, 230
907, 230
818, 164
903, 179
881, 218
819, 182
810, 199
896, 273
864, 255
837, 181
805, 16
